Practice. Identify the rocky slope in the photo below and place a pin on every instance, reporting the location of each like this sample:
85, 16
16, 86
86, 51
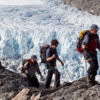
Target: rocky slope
92, 6
12, 87
12, 84
79, 90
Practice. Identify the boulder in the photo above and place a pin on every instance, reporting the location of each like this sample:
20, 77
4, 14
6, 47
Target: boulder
22, 95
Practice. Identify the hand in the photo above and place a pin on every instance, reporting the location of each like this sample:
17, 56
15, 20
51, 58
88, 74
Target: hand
54, 56
62, 64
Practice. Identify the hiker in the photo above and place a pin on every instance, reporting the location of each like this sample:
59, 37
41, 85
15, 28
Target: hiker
29, 69
51, 57
89, 45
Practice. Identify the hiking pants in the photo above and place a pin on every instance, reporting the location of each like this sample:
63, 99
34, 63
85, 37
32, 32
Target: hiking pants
49, 77
32, 81
92, 71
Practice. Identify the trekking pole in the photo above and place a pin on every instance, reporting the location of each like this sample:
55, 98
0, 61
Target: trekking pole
86, 70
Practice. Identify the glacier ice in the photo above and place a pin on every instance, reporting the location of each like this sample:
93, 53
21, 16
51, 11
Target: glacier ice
21, 2
23, 29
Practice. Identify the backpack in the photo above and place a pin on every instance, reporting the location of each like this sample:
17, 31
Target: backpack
80, 39
43, 52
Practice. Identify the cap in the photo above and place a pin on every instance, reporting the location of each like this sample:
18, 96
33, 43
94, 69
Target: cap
34, 57
94, 26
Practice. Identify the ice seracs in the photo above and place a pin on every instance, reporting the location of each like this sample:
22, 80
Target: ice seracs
23, 28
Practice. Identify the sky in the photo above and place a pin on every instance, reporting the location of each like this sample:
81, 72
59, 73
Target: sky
21, 2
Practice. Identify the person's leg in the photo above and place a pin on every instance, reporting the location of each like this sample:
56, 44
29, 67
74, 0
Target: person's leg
57, 78
26, 81
49, 77
92, 71
34, 82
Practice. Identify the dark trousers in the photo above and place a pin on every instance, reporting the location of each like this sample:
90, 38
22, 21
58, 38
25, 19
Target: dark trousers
49, 77
92, 71
32, 81
93, 61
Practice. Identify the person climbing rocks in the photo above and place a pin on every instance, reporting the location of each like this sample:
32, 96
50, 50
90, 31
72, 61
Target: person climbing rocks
51, 57
29, 69
89, 45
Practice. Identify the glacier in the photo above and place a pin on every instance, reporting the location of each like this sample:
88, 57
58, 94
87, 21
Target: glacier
21, 2
25, 28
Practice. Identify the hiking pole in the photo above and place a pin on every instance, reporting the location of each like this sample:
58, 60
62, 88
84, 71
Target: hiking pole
86, 70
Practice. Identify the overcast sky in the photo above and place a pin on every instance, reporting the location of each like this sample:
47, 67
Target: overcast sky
20, 2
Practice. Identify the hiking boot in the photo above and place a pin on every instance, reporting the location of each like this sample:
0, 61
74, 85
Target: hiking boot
90, 82
96, 82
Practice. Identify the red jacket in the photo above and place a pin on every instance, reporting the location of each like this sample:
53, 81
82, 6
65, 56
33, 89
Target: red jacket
91, 41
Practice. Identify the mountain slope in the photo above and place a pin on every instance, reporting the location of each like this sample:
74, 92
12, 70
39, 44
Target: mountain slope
12, 87
79, 90
12, 83
92, 6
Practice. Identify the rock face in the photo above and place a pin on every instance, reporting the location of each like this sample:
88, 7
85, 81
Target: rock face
92, 6
10, 84
79, 90
12, 87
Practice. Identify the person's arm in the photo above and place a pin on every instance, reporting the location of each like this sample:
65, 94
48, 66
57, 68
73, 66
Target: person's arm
48, 57
60, 60
24, 65
98, 44
38, 71
85, 41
